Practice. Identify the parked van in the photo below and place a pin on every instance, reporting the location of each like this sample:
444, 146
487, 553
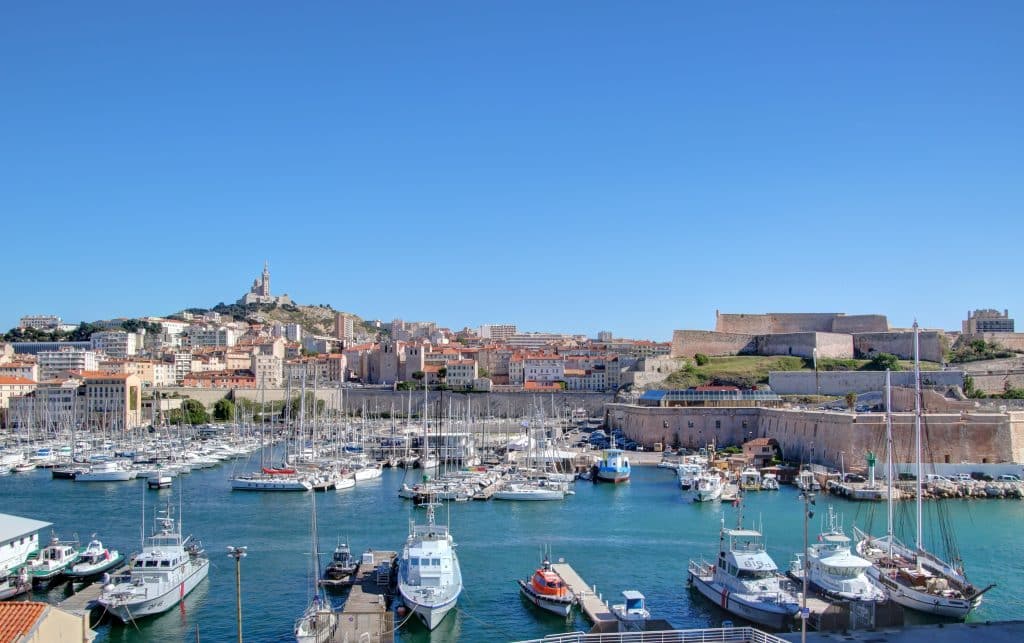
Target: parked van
1008, 477
934, 477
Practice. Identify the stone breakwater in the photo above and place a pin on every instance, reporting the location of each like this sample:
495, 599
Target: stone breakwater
968, 489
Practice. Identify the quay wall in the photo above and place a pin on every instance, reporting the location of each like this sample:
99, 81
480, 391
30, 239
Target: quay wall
843, 382
377, 400
829, 438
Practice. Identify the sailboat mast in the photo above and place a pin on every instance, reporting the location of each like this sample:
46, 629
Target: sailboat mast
888, 456
917, 434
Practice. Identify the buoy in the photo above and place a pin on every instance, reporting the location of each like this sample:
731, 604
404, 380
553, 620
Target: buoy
402, 611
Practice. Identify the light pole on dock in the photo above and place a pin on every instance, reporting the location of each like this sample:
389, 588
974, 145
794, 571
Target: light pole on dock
238, 553
808, 499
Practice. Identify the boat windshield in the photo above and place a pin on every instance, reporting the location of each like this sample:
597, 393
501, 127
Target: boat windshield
755, 574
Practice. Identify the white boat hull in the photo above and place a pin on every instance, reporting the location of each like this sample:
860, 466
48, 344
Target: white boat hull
923, 601
772, 615
430, 615
105, 476
149, 606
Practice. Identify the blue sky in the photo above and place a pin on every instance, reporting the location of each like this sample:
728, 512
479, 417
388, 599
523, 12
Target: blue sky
565, 166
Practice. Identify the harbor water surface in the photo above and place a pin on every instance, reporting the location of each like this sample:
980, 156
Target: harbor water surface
639, 535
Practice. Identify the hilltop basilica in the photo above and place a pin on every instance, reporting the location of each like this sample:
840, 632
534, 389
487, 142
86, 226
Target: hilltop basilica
260, 291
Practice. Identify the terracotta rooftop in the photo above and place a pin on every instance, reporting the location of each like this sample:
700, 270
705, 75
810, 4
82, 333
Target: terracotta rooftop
17, 619
15, 380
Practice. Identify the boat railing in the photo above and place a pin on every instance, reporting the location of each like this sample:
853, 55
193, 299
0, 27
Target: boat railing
701, 568
710, 635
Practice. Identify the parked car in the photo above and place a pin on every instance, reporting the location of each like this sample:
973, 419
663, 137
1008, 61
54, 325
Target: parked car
907, 476
980, 475
962, 477
1008, 477
934, 477
854, 477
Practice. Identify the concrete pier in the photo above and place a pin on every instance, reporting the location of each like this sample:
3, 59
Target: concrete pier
83, 601
366, 616
596, 610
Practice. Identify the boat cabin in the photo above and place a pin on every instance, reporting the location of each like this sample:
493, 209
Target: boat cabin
745, 560
631, 614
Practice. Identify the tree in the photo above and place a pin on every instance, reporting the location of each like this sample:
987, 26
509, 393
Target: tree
701, 359
851, 400
193, 412
882, 362
441, 374
418, 375
224, 410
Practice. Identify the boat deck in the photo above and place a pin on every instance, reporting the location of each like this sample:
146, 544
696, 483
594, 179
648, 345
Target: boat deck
595, 609
366, 615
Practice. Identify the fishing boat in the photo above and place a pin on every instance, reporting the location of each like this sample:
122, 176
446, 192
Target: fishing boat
161, 576
95, 560
16, 583
833, 569
912, 576
613, 466
745, 581
342, 567
688, 472
52, 561
547, 590
318, 622
429, 578
805, 480
750, 479
708, 486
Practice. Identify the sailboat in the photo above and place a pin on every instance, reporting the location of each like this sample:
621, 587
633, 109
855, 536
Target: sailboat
318, 622
913, 577
429, 578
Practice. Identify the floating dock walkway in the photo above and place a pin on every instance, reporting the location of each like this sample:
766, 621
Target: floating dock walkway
83, 601
366, 616
595, 609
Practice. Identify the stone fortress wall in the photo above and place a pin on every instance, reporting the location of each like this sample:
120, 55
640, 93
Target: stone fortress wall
842, 382
830, 438
778, 323
901, 344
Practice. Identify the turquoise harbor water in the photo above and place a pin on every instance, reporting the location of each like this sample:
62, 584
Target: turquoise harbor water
638, 535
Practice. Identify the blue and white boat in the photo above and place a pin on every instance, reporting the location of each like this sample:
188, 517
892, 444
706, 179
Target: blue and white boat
613, 466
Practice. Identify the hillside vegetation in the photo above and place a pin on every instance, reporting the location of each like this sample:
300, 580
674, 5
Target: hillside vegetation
752, 371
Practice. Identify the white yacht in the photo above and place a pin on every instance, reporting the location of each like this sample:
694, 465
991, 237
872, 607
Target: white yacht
429, 578
770, 482
745, 581
166, 571
688, 472
95, 560
106, 471
707, 486
270, 482
834, 569
529, 491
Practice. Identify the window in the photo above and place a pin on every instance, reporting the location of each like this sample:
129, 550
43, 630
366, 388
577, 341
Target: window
718, 424
415, 562
436, 561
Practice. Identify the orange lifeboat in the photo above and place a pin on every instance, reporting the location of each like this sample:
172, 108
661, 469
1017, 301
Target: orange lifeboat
548, 591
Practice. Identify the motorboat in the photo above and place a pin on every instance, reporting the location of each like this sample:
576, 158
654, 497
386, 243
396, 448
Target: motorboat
833, 569
708, 486
688, 472
750, 479
343, 566
547, 590
161, 576
429, 578
745, 581
52, 561
769, 482
613, 466
805, 481
162, 481
16, 584
632, 613
95, 560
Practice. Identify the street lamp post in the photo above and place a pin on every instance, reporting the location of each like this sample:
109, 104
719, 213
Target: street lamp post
808, 499
238, 553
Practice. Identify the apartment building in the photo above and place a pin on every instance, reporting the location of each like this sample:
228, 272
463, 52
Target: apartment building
344, 327
24, 370
53, 364
40, 322
204, 336
112, 401
497, 332
53, 405
268, 370
461, 373
115, 343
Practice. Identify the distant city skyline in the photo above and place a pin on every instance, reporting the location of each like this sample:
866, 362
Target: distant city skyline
570, 168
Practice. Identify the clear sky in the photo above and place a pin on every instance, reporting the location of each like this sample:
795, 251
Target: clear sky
565, 166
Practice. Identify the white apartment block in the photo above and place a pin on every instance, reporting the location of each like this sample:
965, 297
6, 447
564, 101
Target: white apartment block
207, 336
498, 332
53, 405
53, 364
543, 368
461, 373
14, 387
344, 327
182, 365
269, 371
112, 401
115, 343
